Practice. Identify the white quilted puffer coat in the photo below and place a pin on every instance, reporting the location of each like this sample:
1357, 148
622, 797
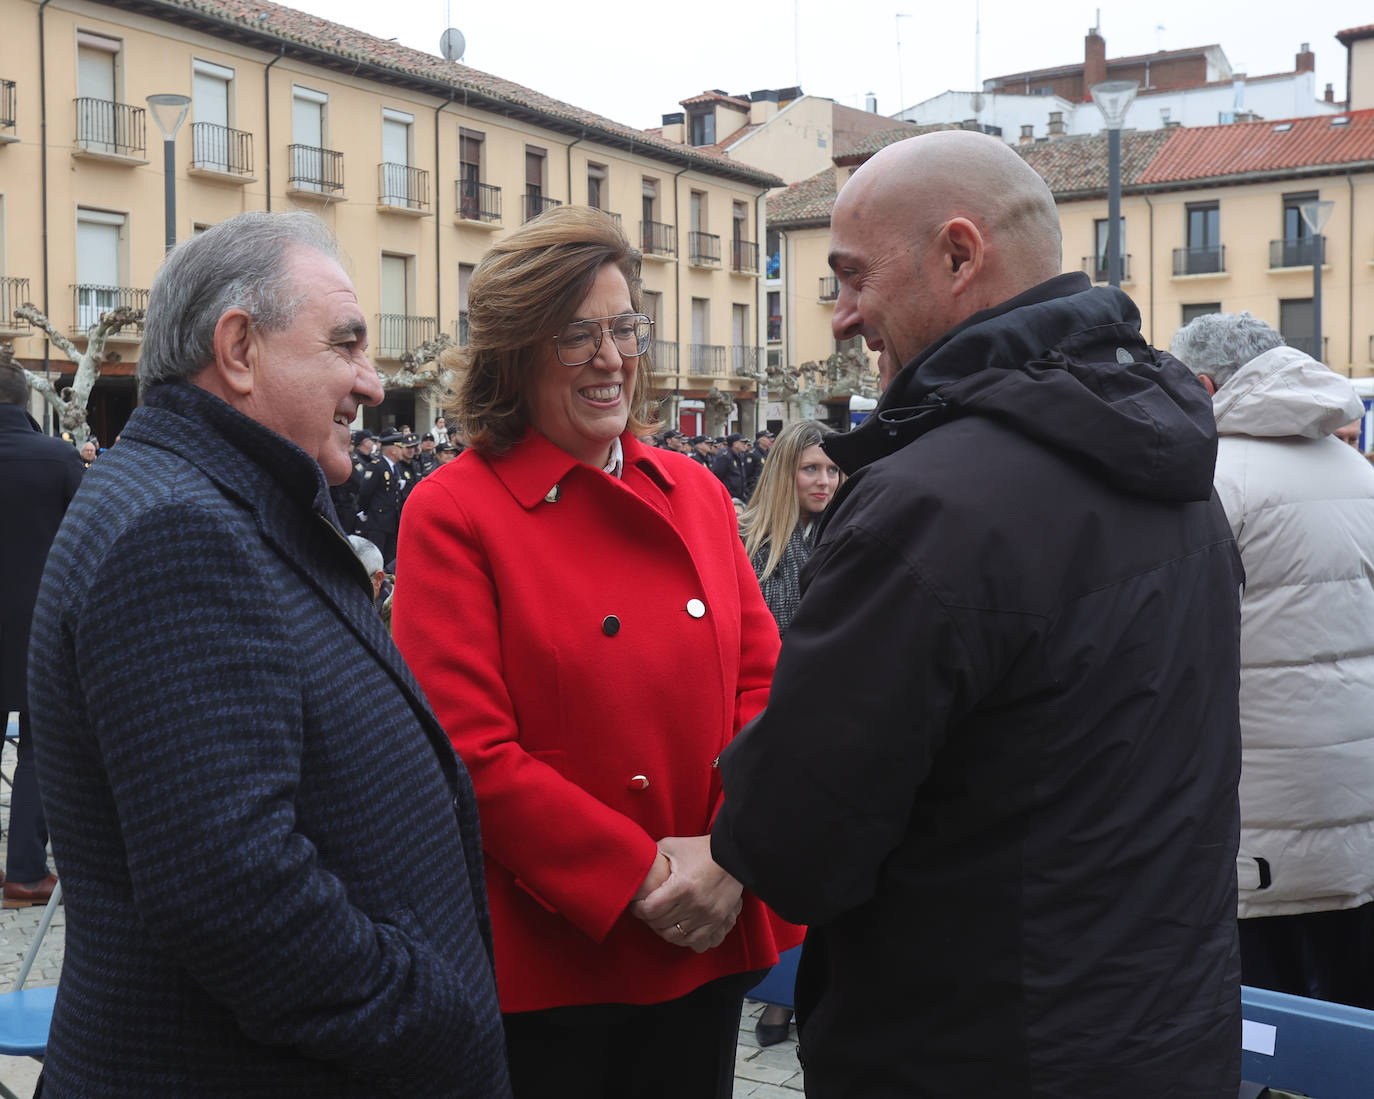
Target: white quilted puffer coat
1301, 505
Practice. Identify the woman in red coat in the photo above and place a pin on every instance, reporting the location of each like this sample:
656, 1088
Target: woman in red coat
610, 641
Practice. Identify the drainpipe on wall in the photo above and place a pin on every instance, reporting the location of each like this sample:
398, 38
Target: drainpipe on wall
760, 309
43, 142
438, 236
677, 282
1150, 338
267, 111
1350, 281
570, 149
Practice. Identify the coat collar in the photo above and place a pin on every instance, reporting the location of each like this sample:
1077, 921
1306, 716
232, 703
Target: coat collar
15, 417
534, 466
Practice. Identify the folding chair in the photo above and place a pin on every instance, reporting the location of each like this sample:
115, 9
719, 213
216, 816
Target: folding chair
26, 1013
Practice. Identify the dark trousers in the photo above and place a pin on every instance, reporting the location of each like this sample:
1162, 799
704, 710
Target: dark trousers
26, 860
681, 1049
1321, 955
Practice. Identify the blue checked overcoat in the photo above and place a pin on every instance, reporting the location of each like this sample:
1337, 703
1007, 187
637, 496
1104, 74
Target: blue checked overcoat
269, 852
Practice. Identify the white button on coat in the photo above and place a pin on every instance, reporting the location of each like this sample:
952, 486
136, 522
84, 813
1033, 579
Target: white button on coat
696, 608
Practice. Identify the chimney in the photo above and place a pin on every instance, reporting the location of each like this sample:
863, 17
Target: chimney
871, 103
1094, 61
1056, 127
1027, 134
1330, 94
1306, 61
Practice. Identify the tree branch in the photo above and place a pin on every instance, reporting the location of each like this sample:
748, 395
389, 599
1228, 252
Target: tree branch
33, 315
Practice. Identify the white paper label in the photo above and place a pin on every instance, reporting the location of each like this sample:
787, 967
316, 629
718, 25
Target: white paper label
1258, 1037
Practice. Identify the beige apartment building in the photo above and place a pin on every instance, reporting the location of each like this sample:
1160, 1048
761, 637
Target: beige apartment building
1211, 222
418, 164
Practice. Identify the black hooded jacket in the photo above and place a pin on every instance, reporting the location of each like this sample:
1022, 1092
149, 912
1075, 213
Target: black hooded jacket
997, 771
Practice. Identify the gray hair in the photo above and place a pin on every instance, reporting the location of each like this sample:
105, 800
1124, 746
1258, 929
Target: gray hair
1219, 344
237, 264
367, 553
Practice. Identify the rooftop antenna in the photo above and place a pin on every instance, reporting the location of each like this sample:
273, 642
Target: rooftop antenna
452, 44
1159, 38
978, 60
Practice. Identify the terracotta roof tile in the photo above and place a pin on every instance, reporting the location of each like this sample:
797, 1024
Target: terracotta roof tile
1078, 164
1209, 152
865, 146
714, 97
1354, 34
806, 203
276, 23
1161, 55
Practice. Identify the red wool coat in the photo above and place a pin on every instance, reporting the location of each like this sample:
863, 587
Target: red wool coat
590, 644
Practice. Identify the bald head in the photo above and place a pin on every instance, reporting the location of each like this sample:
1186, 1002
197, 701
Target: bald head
931, 230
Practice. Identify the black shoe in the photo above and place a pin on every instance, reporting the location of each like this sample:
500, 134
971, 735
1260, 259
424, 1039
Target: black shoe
771, 1033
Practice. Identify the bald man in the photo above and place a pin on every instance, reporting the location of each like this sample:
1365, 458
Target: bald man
997, 771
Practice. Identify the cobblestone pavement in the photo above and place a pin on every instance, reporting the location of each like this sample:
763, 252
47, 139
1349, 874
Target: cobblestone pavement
771, 1073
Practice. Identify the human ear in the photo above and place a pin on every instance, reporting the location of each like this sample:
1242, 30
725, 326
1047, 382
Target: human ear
236, 351
963, 253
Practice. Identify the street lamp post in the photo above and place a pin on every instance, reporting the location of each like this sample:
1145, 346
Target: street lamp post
1113, 99
1315, 213
169, 112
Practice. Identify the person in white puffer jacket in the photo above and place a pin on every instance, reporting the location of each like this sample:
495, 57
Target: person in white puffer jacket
1301, 505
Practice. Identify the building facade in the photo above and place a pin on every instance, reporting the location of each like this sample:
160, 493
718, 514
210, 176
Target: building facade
417, 163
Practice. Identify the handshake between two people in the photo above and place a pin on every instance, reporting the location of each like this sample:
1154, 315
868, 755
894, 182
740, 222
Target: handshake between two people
686, 898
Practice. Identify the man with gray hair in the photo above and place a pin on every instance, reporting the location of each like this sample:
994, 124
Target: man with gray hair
1301, 505
259, 902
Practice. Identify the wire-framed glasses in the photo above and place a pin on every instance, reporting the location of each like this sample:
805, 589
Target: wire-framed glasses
579, 342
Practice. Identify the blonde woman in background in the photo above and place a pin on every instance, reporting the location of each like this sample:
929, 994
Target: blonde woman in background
779, 526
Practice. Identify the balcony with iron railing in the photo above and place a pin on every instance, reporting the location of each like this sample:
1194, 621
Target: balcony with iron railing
90, 302
14, 292
830, 290
7, 112
400, 333
1095, 267
315, 171
663, 357
402, 189
744, 257
221, 151
1292, 252
113, 130
1308, 345
703, 249
658, 238
707, 360
479, 202
744, 361
1200, 261
536, 203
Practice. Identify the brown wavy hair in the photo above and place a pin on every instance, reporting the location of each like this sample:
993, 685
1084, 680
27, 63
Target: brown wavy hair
527, 287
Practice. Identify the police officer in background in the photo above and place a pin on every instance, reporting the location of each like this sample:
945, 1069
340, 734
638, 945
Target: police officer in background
426, 461
345, 496
384, 492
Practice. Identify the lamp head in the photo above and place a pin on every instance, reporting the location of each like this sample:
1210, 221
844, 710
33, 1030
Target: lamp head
1113, 99
169, 112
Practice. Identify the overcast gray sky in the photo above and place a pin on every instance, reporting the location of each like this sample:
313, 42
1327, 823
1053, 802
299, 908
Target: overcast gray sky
633, 61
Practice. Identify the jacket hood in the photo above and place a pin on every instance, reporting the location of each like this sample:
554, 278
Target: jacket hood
1284, 393
1065, 364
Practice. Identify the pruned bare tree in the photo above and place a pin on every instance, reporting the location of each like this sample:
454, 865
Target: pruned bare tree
70, 403
844, 374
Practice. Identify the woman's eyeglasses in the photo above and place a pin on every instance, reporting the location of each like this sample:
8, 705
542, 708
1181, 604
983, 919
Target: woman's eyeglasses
579, 342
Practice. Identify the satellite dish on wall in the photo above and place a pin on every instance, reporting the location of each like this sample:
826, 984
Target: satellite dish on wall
452, 44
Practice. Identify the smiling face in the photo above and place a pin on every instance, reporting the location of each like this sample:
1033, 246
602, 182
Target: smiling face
581, 409
310, 378
817, 479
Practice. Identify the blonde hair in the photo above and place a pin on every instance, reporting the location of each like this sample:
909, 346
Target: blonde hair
773, 511
526, 288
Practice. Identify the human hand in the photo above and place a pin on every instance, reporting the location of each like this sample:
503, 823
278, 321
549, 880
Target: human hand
657, 875
698, 904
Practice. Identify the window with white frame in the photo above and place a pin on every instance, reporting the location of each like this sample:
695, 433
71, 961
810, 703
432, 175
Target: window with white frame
397, 184
212, 103
100, 240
